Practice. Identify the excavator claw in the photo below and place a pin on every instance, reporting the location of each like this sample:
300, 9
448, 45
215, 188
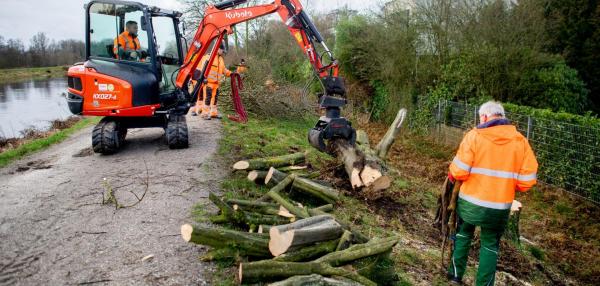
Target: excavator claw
331, 126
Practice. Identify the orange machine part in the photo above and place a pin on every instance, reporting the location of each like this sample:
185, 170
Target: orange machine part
105, 95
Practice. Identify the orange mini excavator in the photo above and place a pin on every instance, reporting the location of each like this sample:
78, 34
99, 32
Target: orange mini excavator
138, 68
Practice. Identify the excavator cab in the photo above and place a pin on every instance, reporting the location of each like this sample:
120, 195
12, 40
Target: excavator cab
133, 55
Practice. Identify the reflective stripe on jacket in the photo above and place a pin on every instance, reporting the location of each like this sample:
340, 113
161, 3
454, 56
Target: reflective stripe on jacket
493, 162
126, 42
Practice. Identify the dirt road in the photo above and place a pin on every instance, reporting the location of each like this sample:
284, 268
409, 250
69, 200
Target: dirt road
54, 229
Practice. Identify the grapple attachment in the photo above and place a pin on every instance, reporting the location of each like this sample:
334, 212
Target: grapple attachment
331, 126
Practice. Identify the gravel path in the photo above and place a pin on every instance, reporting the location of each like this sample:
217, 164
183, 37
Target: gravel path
54, 229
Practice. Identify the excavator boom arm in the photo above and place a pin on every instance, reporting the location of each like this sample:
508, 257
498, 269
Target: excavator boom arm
219, 20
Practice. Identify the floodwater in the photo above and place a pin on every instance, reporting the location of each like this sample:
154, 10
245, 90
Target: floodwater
31, 104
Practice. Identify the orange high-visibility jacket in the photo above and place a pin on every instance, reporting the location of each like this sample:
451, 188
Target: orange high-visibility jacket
126, 42
217, 70
493, 162
241, 69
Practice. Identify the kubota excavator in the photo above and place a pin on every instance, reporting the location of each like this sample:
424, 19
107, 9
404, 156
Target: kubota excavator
144, 83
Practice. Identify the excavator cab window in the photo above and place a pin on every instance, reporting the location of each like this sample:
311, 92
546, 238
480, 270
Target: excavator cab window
115, 32
167, 50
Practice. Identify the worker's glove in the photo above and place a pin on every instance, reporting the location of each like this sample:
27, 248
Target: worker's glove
451, 178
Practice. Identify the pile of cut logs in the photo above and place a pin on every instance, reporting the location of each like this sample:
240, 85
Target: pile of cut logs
275, 238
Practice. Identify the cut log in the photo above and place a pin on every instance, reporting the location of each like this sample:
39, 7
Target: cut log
266, 163
288, 237
221, 254
358, 237
274, 194
284, 212
229, 214
388, 139
325, 208
309, 252
325, 193
263, 228
292, 168
374, 167
249, 244
345, 241
315, 279
251, 204
269, 270
353, 161
257, 176
274, 176
305, 185
373, 247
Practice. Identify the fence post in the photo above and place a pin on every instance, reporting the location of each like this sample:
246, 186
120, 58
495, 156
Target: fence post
528, 126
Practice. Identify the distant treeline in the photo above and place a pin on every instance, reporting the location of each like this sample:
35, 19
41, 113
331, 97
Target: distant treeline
42, 52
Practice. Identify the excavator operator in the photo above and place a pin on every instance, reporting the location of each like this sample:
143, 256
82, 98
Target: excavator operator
210, 92
127, 45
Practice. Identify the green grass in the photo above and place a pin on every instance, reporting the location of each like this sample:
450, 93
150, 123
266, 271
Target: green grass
42, 143
18, 74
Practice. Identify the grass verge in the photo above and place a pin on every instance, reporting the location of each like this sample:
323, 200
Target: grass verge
39, 144
18, 74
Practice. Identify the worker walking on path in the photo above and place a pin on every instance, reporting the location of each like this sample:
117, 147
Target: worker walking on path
493, 161
217, 73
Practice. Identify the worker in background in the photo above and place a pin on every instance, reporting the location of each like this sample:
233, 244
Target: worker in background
242, 68
493, 161
127, 45
210, 93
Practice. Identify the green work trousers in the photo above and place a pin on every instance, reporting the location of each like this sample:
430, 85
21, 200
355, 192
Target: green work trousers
488, 252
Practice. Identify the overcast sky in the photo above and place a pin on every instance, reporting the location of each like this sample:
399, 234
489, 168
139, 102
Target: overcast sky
65, 19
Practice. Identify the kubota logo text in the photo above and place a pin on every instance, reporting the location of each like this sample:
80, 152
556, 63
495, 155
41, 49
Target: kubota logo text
233, 15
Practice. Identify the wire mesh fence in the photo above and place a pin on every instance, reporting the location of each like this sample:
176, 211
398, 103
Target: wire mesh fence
568, 154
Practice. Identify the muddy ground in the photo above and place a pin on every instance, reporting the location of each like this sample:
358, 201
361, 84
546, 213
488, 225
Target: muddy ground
55, 229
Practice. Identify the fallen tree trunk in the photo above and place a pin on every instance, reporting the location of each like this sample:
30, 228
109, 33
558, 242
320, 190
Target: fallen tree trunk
315, 279
373, 166
353, 161
392, 133
288, 237
269, 270
364, 165
266, 163
309, 252
248, 244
